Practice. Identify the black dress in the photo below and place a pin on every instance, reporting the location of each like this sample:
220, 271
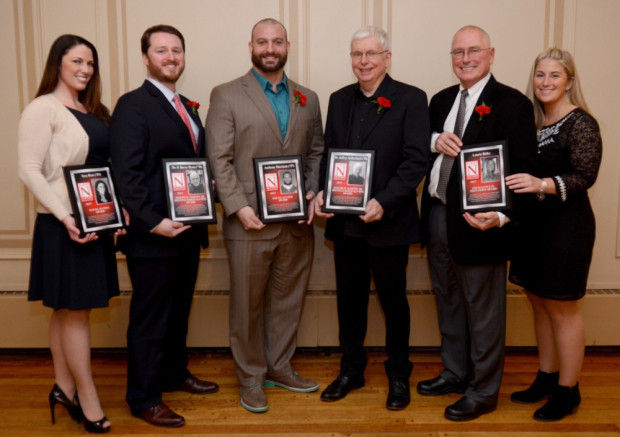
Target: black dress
556, 235
63, 273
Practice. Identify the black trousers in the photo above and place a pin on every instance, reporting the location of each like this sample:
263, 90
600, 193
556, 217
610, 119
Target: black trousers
156, 337
356, 262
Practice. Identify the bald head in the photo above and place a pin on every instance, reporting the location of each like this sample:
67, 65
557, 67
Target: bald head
271, 22
475, 29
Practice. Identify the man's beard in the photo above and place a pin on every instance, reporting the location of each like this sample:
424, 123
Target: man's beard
157, 74
258, 62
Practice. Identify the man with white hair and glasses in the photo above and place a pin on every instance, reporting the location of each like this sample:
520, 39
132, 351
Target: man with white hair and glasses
376, 113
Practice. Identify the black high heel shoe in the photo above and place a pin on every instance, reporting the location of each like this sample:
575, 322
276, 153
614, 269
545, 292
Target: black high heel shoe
57, 396
96, 427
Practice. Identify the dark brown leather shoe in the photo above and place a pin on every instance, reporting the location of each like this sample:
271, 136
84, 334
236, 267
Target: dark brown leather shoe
196, 386
161, 415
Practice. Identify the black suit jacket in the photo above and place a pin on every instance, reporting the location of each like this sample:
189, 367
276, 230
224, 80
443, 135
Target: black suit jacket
145, 129
399, 135
511, 119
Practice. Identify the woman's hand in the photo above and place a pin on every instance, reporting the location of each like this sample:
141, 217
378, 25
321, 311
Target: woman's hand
523, 183
74, 232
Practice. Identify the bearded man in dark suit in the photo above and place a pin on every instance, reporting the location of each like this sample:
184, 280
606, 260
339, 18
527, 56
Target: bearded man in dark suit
149, 124
376, 113
467, 253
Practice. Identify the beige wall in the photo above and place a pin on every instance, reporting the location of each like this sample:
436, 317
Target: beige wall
217, 32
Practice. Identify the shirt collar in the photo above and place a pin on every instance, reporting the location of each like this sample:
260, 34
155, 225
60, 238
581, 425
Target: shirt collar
378, 92
167, 92
266, 85
476, 88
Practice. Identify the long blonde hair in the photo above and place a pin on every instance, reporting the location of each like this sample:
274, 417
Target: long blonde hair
575, 96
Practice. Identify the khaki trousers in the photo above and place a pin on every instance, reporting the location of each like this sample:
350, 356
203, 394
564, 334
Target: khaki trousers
268, 283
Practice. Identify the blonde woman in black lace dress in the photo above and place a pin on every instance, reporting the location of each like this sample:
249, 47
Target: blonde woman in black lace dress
557, 230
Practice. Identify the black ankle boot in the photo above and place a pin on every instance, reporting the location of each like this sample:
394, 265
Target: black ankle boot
564, 400
543, 385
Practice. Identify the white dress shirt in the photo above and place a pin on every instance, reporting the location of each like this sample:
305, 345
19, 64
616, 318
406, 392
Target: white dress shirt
473, 94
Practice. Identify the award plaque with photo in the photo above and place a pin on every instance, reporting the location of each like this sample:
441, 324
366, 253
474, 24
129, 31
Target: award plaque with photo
483, 177
348, 180
280, 189
189, 192
93, 197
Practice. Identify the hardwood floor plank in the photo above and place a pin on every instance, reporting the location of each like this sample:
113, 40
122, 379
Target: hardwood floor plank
26, 378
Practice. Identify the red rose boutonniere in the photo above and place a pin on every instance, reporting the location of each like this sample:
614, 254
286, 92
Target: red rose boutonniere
193, 106
300, 98
382, 103
482, 110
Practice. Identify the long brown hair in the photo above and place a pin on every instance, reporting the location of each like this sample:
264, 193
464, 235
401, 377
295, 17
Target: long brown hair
574, 94
90, 96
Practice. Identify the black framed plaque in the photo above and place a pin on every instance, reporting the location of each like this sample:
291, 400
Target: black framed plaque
348, 180
189, 192
93, 197
483, 177
280, 189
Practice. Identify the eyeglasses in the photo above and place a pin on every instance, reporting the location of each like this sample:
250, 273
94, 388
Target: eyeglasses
371, 55
472, 52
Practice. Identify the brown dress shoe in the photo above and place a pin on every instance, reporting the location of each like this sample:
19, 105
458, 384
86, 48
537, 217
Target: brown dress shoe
161, 415
196, 386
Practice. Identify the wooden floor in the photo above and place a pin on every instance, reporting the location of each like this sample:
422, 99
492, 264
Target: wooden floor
26, 378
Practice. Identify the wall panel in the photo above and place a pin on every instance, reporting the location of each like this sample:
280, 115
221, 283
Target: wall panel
596, 35
422, 34
217, 33
15, 218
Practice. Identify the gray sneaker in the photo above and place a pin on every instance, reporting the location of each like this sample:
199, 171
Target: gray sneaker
293, 382
253, 399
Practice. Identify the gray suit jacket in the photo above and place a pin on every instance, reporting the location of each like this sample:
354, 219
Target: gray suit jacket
241, 125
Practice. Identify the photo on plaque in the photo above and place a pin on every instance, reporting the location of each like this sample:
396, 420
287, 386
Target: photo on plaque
483, 171
280, 189
348, 180
93, 198
189, 192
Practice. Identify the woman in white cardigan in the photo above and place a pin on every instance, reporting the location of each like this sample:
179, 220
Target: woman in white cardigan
66, 124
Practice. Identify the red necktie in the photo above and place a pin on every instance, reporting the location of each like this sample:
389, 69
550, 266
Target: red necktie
183, 113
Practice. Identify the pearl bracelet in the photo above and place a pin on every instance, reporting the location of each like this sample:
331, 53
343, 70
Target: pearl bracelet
541, 191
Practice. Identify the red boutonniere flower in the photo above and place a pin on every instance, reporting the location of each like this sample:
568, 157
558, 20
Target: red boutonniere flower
482, 110
193, 106
300, 98
382, 103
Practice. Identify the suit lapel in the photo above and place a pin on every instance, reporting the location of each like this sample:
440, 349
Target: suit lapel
196, 118
475, 124
252, 88
294, 109
347, 113
385, 90
170, 111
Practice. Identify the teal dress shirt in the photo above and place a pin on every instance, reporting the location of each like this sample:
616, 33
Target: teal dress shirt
279, 100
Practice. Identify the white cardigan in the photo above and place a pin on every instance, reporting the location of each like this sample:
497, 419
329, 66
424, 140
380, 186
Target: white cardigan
49, 137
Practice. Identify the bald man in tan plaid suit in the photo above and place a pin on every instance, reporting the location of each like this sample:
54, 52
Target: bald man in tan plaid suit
269, 264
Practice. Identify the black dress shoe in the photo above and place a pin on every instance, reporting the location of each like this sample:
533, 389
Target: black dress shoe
195, 386
340, 387
563, 401
439, 386
160, 415
467, 409
543, 386
398, 396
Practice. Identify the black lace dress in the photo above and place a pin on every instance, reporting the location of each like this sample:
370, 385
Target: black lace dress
556, 235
